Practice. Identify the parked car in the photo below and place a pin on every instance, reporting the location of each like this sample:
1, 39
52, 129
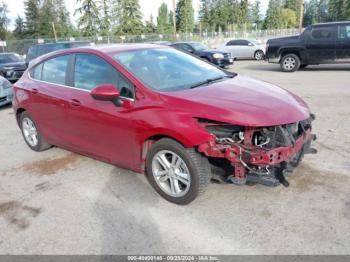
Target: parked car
216, 57
169, 114
6, 92
40, 49
244, 48
12, 66
326, 43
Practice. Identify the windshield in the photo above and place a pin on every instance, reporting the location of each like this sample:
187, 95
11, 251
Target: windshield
167, 69
199, 46
10, 58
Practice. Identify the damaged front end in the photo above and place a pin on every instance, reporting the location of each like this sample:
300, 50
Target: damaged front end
262, 155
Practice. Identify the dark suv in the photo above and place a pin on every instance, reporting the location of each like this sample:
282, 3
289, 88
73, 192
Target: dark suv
325, 43
40, 49
200, 50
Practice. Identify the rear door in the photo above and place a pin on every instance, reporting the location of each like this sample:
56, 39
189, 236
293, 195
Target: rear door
343, 44
320, 44
49, 98
100, 128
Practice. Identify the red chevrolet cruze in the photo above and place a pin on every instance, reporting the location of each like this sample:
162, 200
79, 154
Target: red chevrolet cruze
156, 110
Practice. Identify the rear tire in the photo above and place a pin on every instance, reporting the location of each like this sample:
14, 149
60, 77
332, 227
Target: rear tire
31, 133
166, 160
290, 63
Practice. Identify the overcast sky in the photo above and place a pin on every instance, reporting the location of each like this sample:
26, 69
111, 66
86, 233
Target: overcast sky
148, 7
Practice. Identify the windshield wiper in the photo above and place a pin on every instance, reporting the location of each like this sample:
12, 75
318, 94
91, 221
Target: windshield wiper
206, 82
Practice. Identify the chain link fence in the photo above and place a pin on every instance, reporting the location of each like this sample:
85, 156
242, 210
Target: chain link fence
212, 39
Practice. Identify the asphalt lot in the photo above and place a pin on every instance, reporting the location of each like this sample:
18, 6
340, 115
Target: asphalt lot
57, 202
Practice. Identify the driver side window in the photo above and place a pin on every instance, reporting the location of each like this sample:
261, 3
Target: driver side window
91, 71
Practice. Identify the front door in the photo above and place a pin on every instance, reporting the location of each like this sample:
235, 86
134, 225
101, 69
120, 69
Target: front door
343, 44
50, 98
100, 128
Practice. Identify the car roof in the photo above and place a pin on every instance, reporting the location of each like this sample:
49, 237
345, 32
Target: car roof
108, 49
332, 23
62, 42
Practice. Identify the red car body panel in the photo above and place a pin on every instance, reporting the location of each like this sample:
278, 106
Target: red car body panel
73, 119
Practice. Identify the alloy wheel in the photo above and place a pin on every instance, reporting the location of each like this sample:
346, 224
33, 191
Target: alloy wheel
289, 63
30, 132
171, 173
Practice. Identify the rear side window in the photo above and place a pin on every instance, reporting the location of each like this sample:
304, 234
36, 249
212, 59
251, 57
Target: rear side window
344, 32
91, 71
54, 70
322, 33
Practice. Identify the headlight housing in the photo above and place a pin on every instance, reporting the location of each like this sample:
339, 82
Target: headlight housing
6, 85
218, 56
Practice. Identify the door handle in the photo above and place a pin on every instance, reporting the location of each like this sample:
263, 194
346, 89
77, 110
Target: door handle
34, 91
75, 102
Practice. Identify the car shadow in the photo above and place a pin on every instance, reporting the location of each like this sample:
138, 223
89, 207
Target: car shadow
276, 67
126, 223
5, 107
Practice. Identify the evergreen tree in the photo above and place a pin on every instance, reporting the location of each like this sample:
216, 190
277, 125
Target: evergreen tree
31, 12
337, 10
4, 20
18, 32
62, 21
185, 16
310, 13
274, 19
46, 18
105, 16
204, 14
130, 16
243, 14
150, 27
255, 14
294, 5
163, 25
89, 20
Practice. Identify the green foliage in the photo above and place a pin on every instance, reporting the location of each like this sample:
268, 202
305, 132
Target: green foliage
289, 18
294, 5
31, 12
185, 16
339, 10
129, 18
255, 14
150, 27
4, 20
164, 20
105, 13
18, 32
89, 20
274, 18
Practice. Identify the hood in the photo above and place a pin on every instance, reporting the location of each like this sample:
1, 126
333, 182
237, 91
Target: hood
15, 65
211, 51
242, 101
288, 39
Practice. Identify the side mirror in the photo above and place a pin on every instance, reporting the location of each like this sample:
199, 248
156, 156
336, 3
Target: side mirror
106, 92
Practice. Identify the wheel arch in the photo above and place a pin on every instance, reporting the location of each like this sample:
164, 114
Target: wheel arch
296, 51
19, 112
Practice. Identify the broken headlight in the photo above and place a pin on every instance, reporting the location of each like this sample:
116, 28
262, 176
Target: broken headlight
224, 132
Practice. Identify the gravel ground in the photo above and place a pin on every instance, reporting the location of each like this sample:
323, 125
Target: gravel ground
57, 202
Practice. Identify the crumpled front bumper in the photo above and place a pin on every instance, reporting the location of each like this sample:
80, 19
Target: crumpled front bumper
248, 159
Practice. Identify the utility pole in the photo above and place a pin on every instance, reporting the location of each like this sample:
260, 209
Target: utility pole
174, 19
301, 16
54, 31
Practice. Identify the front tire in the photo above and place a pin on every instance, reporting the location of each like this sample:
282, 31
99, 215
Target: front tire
259, 55
290, 63
31, 134
178, 174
